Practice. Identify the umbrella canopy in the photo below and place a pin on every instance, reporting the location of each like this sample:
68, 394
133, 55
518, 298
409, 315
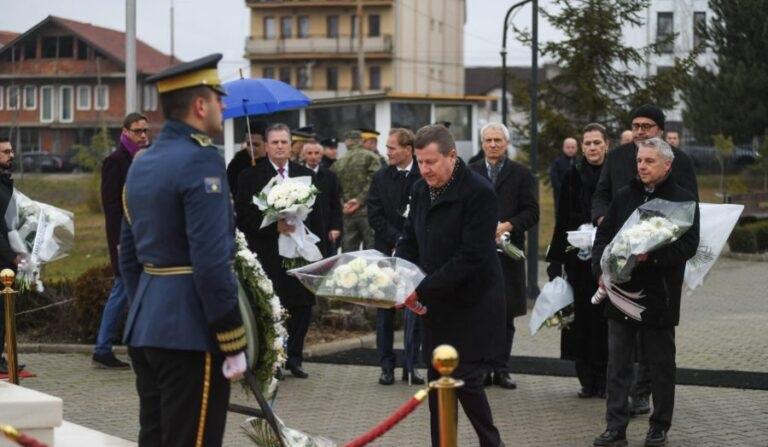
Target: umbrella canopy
261, 96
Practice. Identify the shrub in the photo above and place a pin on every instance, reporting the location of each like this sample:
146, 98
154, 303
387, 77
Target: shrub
90, 293
760, 229
39, 316
742, 240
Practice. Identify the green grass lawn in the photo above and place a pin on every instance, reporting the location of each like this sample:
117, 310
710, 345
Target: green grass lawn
71, 192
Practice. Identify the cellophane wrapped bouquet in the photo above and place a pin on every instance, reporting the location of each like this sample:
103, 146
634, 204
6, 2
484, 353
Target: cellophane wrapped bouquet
39, 233
365, 277
653, 225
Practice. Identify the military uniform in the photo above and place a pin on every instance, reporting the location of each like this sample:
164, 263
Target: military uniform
176, 253
355, 172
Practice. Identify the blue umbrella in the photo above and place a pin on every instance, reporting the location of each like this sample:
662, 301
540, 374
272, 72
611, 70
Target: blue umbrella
261, 96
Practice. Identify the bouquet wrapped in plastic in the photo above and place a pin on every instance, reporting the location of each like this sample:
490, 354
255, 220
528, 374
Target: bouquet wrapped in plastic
583, 239
363, 277
291, 199
554, 306
38, 233
263, 436
506, 246
651, 226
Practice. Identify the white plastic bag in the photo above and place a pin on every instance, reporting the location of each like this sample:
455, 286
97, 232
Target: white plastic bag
716, 221
555, 295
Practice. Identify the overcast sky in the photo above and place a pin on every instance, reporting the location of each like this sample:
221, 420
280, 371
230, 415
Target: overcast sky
207, 26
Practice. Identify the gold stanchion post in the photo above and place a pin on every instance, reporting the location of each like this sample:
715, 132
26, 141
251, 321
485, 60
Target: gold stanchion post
445, 359
6, 277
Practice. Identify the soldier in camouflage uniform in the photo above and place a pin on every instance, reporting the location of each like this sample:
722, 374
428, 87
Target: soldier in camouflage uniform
355, 171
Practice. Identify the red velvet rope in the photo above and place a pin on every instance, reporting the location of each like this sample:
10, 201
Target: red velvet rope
28, 441
387, 424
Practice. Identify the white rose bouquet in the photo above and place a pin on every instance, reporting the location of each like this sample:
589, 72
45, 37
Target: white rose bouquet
38, 233
291, 199
651, 226
363, 277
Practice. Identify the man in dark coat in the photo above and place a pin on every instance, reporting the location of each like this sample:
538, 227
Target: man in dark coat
293, 296
561, 165
114, 169
658, 276
330, 151
620, 168
387, 203
246, 157
328, 203
518, 212
8, 258
450, 233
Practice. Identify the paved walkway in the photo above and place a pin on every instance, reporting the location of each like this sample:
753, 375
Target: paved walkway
723, 327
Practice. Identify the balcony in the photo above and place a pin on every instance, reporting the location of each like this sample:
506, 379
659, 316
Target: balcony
317, 47
269, 4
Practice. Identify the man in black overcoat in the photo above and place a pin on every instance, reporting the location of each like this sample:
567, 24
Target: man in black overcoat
8, 258
387, 205
293, 296
251, 152
328, 203
518, 212
450, 234
619, 169
658, 277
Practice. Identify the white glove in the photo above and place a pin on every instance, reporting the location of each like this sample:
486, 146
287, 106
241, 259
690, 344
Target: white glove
234, 366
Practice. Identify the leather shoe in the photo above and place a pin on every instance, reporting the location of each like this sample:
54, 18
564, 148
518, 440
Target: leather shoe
416, 379
504, 380
298, 372
586, 393
387, 378
488, 380
639, 405
656, 437
611, 438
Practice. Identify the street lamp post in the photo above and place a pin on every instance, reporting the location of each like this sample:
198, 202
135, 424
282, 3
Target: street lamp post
533, 233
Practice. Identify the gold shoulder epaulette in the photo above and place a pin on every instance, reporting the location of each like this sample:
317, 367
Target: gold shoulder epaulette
125, 206
201, 139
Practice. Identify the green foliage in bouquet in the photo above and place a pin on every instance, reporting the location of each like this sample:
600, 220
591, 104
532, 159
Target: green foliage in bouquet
742, 240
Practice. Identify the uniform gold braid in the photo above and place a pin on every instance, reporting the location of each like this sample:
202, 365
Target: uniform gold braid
233, 346
231, 335
125, 205
204, 403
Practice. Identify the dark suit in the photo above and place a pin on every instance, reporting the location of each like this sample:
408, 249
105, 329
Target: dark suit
387, 202
240, 162
519, 206
7, 255
114, 170
293, 296
452, 240
329, 207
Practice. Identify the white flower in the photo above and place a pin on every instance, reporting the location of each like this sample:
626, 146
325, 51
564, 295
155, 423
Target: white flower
357, 265
347, 280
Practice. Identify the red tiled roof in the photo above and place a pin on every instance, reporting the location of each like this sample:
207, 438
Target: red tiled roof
7, 36
148, 59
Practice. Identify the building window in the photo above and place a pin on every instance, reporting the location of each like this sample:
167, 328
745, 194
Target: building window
270, 28
332, 78
302, 77
285, 74
49, 44
83, 97
82, 49
30, 97
410, 115
286, 27
46, 104
58, 46
374, 29
13, 97
699, 26
332, 26
303, 27
664, 31
65, 104
355, 79
149, 98
353, 25
30, 50
374, 78
66, 46
268, 72
101, 97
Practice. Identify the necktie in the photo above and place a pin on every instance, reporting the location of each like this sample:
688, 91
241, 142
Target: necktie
402, 183
494, 172
281, 171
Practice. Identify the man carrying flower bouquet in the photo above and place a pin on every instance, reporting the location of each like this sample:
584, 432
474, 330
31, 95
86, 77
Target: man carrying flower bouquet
659, 276
264, 241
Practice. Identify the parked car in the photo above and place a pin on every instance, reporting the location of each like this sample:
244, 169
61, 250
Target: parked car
41, 162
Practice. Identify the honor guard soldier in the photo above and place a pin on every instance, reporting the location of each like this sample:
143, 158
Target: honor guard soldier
184, 332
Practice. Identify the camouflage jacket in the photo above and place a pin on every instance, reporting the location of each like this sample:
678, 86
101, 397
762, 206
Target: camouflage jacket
355, 171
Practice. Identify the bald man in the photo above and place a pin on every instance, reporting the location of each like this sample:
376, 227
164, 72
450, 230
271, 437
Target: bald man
562, 165
627, 137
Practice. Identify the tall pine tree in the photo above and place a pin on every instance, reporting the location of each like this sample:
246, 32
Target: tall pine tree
731, 98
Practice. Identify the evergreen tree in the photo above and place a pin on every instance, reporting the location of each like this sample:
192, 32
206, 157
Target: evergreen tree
596, 76
731, 98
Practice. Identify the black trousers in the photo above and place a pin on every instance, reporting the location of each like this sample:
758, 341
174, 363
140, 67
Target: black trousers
641, 387
297, 326
658, 346
183, 397
474, 402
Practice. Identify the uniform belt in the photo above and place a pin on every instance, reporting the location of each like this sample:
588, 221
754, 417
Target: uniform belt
168, 271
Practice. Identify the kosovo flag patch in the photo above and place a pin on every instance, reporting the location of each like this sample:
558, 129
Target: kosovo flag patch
212, 184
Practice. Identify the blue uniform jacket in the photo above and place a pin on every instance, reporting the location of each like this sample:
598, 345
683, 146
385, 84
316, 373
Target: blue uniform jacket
178, 214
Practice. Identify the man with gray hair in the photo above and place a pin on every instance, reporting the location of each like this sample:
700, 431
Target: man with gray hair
659, 275
514, 186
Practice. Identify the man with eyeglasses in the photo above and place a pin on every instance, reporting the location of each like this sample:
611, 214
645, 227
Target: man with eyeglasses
134, 137
619, 170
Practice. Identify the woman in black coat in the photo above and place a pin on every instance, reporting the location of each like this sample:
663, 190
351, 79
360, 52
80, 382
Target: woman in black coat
586, 339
